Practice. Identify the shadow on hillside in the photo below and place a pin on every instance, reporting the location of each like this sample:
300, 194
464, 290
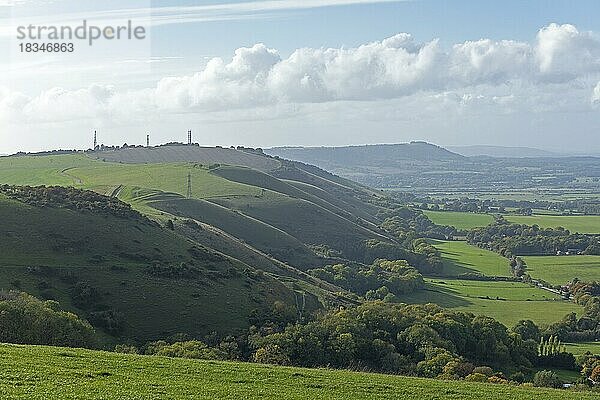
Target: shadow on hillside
438, 294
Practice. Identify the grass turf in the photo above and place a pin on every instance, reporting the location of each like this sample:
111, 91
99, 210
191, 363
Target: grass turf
460, 258
508, 302
36, 372
581, 348
559, 270
574, 223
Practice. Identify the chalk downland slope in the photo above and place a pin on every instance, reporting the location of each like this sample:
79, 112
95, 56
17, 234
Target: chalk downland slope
105, 264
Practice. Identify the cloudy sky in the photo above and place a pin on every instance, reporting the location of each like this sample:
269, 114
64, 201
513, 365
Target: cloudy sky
306, 72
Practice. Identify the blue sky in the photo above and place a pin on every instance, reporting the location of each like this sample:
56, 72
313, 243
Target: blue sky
451, 21
471, 72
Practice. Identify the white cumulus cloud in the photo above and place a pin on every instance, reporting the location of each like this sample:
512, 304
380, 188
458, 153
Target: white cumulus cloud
507, 74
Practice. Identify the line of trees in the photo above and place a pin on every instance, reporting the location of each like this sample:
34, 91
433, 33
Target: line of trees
515, 239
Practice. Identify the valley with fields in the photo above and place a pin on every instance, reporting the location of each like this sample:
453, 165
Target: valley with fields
232, 255
299, 199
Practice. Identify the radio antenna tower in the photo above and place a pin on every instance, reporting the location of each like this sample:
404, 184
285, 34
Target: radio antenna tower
189, 186
147, 140
95, 141
189, 137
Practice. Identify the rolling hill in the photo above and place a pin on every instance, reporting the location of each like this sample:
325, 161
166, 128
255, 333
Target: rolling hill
370, 155
265, 220
500, 151
100, 258
293, 205
181, 153
421, 167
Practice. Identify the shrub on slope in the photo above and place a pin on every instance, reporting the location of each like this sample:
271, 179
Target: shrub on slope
26, 320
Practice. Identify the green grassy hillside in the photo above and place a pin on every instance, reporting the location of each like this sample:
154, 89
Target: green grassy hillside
35, 372
159, 282
259, 234
258, 220
276, 207
196, 154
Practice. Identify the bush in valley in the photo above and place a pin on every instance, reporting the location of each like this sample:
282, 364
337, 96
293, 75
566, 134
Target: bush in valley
476, 377
279, 315
547, 379
187, 349
126, 349
271, 354
590, 366
110, 321
85, 296
585, 327
408, 224
528, 330
26, 320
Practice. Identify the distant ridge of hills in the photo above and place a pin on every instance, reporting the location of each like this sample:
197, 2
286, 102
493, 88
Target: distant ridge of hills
422, 166
366, 154
501, 151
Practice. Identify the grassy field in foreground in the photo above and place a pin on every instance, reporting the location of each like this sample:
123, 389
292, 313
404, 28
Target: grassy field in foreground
574, 223
580, 348
459, 220
33, 372
559, 270
508, 302
461, 257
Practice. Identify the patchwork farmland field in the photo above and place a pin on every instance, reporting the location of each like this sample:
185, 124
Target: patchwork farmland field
460, 220
508, 302
559, 270
574, 223
42, 373
461, 257
583, 347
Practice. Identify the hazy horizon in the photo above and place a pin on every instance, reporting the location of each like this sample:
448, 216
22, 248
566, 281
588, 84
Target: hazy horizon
452, 148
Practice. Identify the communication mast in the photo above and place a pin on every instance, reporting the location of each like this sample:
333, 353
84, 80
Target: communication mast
95, 141
189, 137
147, 140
